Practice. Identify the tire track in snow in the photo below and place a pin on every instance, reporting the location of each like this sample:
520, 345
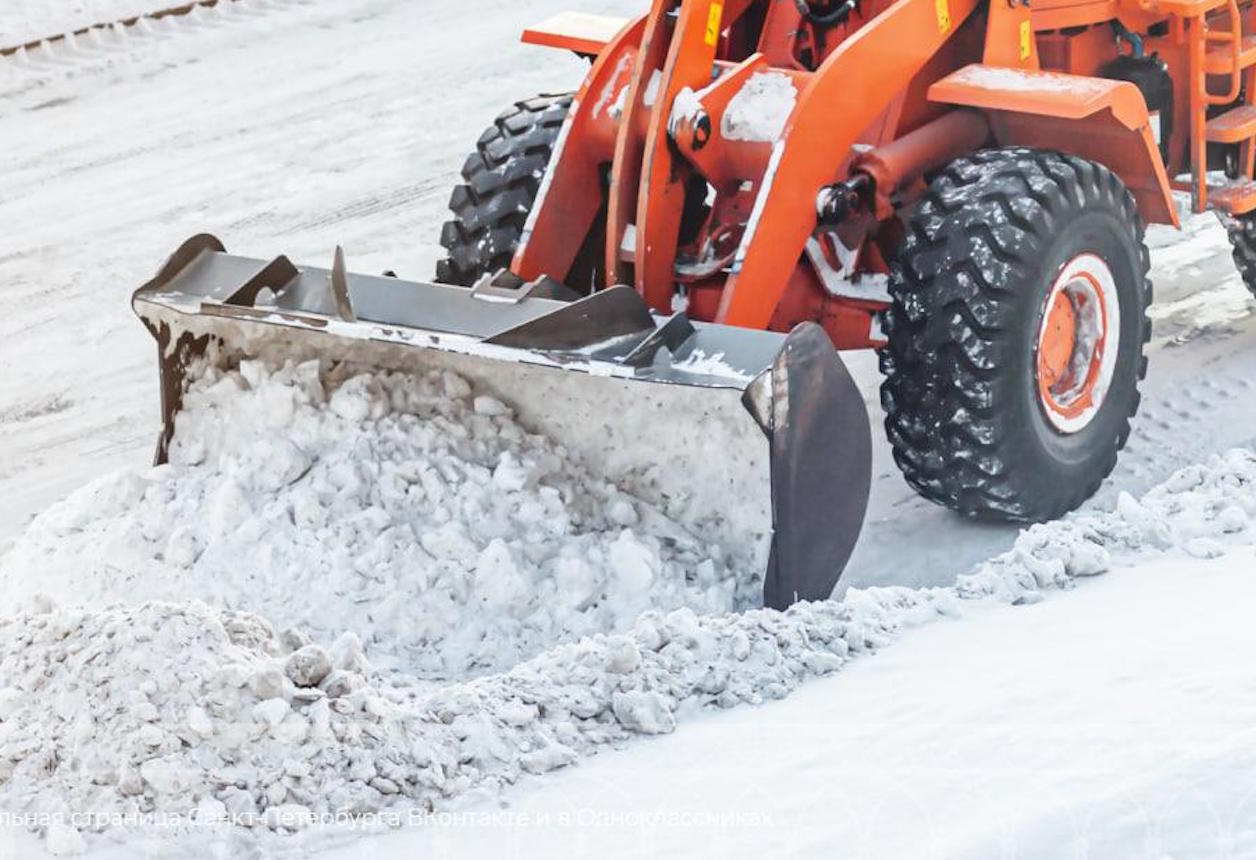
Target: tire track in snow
84, 44
128, 22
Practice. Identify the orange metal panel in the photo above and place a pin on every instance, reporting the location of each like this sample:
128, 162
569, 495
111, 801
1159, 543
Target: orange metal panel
1103, 120
726, 162
850, 324
1056, 15
571, 194
1234, 126
621, 204
883, 56
1010, 39
1184, 8
1078, 53
1043, 93
661, 199
575, 31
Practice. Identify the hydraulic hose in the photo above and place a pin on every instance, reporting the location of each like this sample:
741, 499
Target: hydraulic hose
828, 18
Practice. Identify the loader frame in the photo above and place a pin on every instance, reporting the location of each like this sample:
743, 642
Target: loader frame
803, 226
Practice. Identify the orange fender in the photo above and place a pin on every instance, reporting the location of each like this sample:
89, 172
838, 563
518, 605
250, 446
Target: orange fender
575, 31
1094, 118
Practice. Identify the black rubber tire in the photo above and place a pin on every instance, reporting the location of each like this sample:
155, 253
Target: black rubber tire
969, 289
500, 183
1242, 232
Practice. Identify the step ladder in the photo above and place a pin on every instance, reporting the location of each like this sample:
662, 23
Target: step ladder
1216, 53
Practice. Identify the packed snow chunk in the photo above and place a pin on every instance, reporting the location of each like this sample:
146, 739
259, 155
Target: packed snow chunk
199, 722
634, 564
1155, 529
622, 656
1204, 548
169, 775
485, 405
62, 840
346, 653
500, 584
271, 712
358, 400
289, 816
547, 758
308, 666
645, 712
410, 510
760, 109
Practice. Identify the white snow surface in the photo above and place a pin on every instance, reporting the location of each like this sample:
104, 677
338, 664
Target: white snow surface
1021, 80
699, 362
410, 511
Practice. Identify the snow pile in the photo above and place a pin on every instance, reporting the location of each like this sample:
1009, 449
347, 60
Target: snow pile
760, 109
211, 717
110, 715
405, 509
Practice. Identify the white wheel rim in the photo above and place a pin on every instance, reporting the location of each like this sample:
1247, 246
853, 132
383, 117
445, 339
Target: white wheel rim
1073, 383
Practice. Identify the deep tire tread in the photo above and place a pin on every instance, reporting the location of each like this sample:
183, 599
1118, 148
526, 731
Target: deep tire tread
500, 182
1242, 232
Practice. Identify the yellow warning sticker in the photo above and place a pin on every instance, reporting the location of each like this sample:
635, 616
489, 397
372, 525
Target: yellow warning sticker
943, 8
714, 19
1026, 40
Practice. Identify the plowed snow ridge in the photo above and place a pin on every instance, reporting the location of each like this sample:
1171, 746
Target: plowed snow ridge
182, 707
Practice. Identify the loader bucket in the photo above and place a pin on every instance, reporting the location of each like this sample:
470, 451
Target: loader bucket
757, 441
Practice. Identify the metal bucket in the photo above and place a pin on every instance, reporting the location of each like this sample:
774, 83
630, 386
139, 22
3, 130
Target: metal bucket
754, 440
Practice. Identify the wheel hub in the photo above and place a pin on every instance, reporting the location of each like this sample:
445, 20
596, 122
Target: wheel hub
1059, 340
1077, 343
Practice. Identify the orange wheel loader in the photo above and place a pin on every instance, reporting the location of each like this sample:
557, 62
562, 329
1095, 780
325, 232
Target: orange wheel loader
661, 268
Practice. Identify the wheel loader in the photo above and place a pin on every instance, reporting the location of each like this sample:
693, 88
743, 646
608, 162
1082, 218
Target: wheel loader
662, 268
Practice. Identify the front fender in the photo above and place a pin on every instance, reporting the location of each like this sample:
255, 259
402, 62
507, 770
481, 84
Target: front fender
1095, 118
580, 32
